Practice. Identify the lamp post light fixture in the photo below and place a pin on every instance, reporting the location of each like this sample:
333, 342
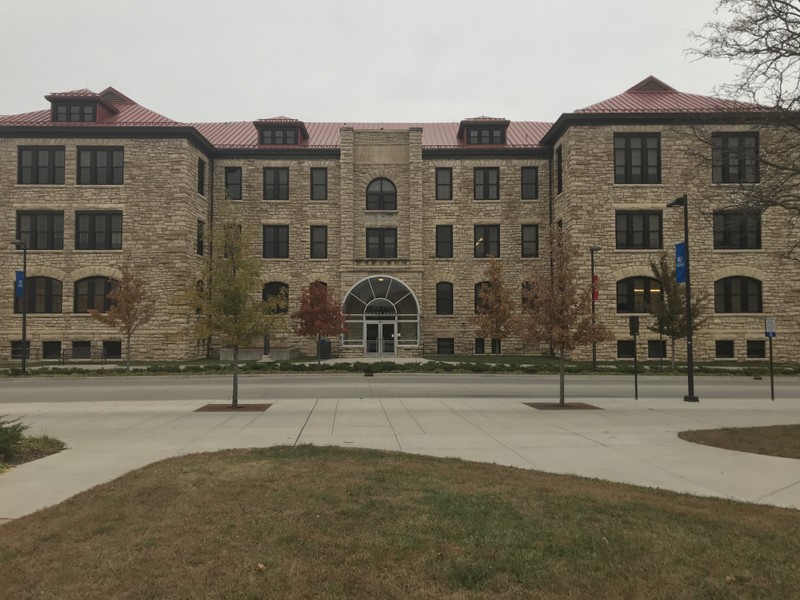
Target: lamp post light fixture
684, 202
19, 244
592, 250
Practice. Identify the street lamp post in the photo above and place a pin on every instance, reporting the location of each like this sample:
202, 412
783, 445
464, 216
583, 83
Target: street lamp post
20, 244
684, 202
592, 250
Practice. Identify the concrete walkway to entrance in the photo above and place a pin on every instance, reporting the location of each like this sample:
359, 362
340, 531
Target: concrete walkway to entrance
627, 441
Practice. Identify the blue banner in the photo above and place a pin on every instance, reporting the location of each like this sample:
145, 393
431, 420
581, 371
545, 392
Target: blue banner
19, 285
680, 262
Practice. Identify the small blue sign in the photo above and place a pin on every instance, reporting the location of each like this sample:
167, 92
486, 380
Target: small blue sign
19, 286
680, 262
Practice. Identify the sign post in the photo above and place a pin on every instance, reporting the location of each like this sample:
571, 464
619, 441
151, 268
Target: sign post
771, 331
634, 330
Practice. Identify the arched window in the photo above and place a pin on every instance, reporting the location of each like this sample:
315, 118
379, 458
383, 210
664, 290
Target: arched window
274, 291
92, 294
444, 298
478, 304
381, 195
737, 295
636, 294
42, 295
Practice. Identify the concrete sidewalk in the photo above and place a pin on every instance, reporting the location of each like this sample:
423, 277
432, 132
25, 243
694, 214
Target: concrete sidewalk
630, 442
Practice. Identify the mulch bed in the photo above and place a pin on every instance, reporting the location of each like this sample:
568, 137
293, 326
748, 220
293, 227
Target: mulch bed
557, 406
228, 407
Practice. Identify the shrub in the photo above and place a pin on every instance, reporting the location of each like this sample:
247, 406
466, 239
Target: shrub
10, 435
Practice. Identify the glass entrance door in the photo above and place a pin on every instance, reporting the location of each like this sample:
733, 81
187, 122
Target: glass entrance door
379, 339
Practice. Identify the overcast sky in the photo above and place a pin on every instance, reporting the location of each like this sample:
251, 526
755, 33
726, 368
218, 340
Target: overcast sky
351, 60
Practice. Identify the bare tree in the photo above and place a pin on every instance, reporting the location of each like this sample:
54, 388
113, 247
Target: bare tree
132, 305
494, 310
558, 307
319, 314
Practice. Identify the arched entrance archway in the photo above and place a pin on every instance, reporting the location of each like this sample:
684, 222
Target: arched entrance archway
382, 314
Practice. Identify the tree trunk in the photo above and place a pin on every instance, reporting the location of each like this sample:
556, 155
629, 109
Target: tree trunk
561, 375
319, 350
672, 353
128, 352
235, 400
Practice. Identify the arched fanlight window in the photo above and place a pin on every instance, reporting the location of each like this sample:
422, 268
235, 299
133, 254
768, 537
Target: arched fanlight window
381, 195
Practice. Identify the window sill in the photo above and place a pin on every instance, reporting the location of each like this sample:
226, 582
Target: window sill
629, 185
529, 257
36, 185
277, 200
486, 200
100, 185
378, 211
114, 250
630, 250
738, 314
735, 182
730, 250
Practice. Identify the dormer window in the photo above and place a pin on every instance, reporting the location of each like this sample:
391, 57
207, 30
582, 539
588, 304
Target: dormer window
74, 112
284, 136
486, 135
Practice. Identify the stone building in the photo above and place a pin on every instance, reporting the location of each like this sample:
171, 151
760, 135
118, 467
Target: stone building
398, 219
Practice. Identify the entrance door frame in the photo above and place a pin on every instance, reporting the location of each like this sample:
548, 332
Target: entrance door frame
385, 347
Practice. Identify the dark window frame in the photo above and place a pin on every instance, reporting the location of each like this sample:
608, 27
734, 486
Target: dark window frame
627, 155
43, 295
53, 229
201, 236
731, 293
559, 170
529, 183
51, 349
756, 349
201, 177
478, 288
280, 136
112, 349
233, 183
275, 241
92, 294
657, 349
319, 190
484, 188
74, 112
318, 247
107, 237
444, 189
444, 241
111, 172
737, 230
446, 346
444, 298
637, 303
273, 289
486, 238
482, 135
277, 188
30, 171
529, 247
734, 163
626, 348
724, 349
382, 198
381, 247
628, 237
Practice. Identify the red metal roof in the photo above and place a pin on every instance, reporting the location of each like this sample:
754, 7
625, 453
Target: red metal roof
652, 95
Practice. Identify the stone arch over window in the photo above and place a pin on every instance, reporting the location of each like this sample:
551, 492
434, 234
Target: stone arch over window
636, 294
381, 298
91, 293
738, 295
275, 290
381, 195
42, 295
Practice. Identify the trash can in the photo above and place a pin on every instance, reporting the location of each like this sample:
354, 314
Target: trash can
324, 348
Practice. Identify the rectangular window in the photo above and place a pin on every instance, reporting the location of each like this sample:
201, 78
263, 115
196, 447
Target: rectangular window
445, 346
487, 183
625, 348
444, 298
559, 170
530, 183
444, 184
276, 241
82, 349
319, 184
444, 241
233, 183
98, 230
201, 237
496, 346
724, 348
637, 158
656, 348
530, 241
756, 349
638, 230
487, 241
276, 183
734, 158
487, 134
74, 112
279, 137
112, 349
319, 241
51, 350
735, 230
381, 243
41, 230
16, 350
100, 166
201, 177
480, 347
40, 165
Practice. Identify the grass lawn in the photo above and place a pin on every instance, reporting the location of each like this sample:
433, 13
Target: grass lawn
776, 440
355, 524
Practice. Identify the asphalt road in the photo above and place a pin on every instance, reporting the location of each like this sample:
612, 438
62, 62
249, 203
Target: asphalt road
299, 386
